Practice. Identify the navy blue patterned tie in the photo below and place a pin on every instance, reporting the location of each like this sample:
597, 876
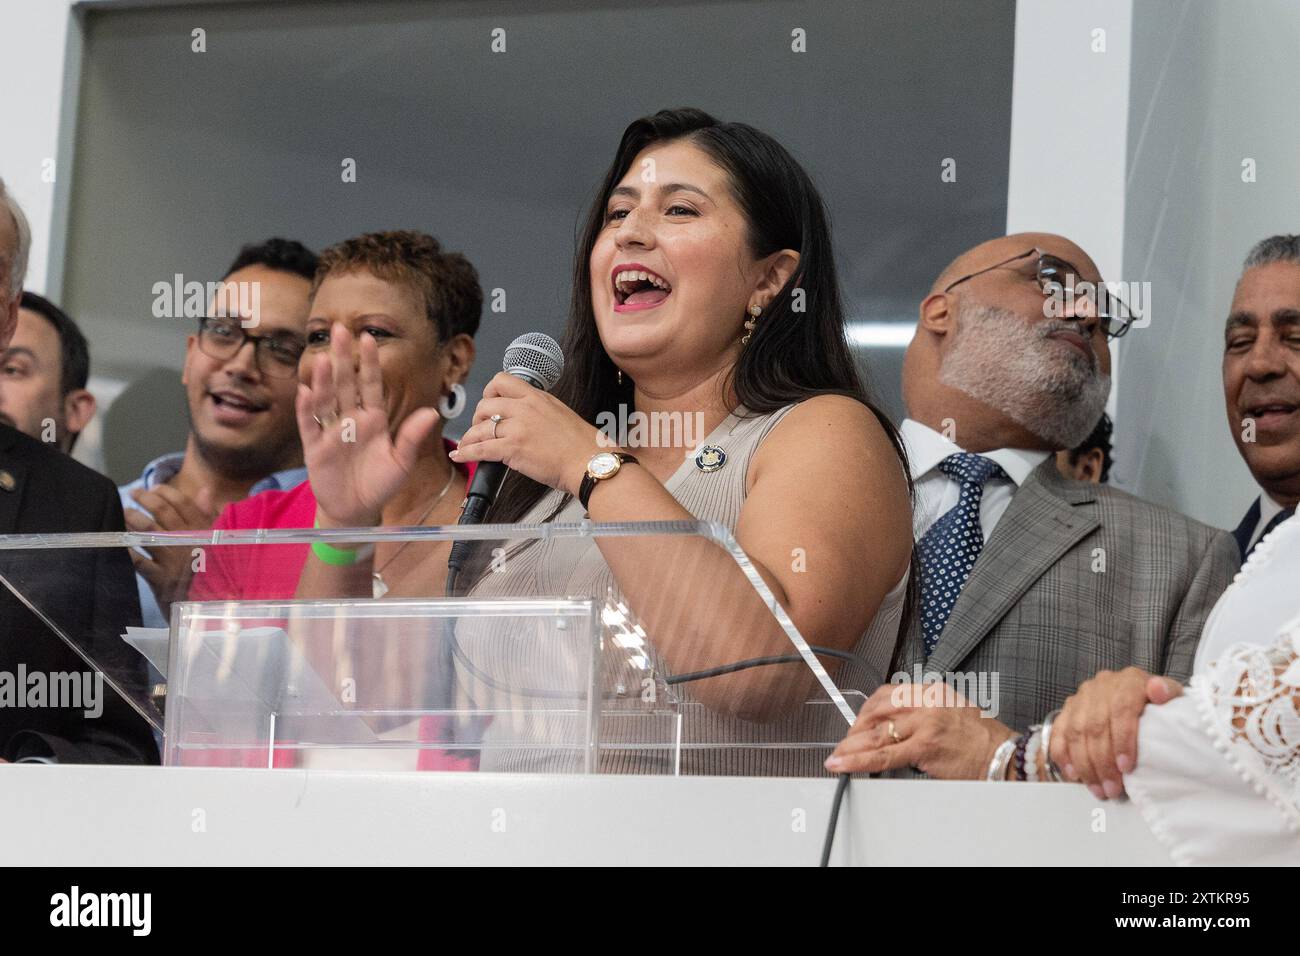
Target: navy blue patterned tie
947, 551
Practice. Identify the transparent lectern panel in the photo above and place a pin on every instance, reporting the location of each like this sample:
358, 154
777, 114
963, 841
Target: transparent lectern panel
372, 684
63, 610
651, 648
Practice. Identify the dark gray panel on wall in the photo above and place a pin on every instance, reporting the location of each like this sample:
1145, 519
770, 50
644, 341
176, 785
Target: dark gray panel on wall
183, 156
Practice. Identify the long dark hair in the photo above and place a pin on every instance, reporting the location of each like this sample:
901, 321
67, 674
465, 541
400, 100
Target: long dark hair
798, 348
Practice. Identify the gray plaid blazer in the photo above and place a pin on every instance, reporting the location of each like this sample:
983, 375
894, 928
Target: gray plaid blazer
1078, 578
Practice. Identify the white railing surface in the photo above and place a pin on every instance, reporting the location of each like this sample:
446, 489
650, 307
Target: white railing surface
78, 815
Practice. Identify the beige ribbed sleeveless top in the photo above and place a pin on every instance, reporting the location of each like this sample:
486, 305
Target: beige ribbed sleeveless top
712, 743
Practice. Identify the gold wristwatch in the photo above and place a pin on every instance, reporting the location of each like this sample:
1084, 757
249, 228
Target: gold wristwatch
601, 467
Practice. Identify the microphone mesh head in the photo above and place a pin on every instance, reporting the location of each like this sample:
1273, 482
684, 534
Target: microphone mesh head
537, 357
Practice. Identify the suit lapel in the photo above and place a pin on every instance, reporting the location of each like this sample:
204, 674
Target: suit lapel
1046, 518
1244, 531
13, 478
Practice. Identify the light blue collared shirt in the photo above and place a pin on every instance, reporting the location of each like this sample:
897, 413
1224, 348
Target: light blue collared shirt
160, 471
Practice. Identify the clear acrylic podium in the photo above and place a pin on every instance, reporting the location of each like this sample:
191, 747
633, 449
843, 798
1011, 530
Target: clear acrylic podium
543, 660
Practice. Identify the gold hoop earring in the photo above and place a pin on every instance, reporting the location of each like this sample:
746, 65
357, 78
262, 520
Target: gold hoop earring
754, 313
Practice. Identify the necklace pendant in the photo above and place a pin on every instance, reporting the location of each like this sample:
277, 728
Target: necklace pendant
379, 588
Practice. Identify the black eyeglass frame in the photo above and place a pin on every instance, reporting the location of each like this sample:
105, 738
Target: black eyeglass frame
261, 345
1047, 271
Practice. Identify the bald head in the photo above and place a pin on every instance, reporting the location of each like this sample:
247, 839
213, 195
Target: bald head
990, 253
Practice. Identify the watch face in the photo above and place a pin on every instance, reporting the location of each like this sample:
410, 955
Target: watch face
603, 465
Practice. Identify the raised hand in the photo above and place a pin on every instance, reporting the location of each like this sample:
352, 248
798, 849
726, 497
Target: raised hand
354, 464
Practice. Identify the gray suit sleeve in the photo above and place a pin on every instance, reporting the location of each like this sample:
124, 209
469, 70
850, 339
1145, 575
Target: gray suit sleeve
1219, 563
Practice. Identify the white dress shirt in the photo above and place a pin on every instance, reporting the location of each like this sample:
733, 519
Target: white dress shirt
1268, 510
937, 493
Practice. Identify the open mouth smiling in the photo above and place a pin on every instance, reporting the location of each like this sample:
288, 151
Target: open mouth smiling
234, 408
637, 288
235, 400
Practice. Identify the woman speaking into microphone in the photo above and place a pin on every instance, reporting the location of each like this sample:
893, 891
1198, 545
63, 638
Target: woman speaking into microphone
705, 290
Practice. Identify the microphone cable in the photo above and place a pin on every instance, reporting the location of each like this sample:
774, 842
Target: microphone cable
841, 788
759, 662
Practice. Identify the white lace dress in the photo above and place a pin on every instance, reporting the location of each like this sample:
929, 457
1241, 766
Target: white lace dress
1218, 775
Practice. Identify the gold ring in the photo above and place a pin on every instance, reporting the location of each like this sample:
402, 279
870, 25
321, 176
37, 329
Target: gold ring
894, 733
496, 420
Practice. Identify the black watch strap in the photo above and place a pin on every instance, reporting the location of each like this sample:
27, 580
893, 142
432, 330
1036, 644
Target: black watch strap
589, 483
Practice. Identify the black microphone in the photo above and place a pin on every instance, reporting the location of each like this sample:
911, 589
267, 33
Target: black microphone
536, 358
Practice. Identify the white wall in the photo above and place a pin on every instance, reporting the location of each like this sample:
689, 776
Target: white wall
1214, 84
1069, 113
1136, 153
1069, 107
1172, 405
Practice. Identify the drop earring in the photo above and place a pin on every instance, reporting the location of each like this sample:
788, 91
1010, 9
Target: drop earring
754, 313
620, 378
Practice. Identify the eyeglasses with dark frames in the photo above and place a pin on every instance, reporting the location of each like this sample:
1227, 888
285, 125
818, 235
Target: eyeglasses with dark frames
276, 355
1057, 277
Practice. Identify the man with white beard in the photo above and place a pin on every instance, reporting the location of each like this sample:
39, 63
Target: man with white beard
1026, 576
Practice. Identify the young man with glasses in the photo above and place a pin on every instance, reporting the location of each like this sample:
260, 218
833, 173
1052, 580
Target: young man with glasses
1030, 583
240, 381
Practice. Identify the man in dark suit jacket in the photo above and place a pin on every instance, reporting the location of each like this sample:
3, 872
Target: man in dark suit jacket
1027, 578
53, 705
86, 595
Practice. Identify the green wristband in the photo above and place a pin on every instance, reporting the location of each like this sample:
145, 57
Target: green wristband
335, 557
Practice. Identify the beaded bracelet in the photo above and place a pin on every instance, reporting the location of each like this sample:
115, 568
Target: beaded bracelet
1031, 753
1021, 743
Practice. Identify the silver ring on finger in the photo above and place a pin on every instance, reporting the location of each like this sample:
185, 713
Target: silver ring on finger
496, 420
